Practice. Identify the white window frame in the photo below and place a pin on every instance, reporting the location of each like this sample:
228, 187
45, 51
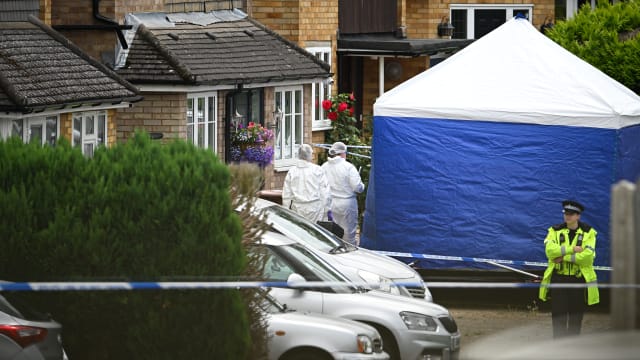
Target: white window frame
572, 7
471, 8
208, 120
320, 91
285, 99
48, 138
86, 128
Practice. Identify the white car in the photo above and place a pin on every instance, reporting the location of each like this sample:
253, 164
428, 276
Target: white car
410, 328
295, 335
26, 334
358, 264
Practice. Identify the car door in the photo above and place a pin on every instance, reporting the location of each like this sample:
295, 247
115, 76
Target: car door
277, 270
299, 300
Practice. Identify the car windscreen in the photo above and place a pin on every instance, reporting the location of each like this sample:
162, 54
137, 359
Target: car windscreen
279, 262
300, 229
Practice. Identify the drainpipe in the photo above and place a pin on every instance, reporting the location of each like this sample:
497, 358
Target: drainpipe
110, 25
98, 16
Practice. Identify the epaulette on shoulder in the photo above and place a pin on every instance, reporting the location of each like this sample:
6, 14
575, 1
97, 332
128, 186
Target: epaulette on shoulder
559, 226
585, 227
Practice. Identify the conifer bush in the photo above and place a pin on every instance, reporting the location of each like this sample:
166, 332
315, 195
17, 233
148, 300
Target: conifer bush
137, 211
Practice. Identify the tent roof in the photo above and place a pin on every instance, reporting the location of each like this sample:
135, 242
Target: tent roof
515, 74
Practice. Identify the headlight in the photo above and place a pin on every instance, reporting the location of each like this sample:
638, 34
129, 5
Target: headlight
418, 321
379, 282
365, 345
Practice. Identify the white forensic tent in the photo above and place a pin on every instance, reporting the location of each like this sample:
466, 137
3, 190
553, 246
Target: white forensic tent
472, 157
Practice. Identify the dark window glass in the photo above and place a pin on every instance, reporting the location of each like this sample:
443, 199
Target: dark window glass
487, 20
248, 105
459, 22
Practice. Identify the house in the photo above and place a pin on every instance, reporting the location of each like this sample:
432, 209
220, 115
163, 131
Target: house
202, 67
49, 88
370, 47
374, 45
204, 75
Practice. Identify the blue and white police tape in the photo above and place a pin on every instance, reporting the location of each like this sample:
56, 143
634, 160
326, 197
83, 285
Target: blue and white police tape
218, 285
328, 146
473, 259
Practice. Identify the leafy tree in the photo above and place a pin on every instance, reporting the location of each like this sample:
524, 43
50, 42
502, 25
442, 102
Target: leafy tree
607, 37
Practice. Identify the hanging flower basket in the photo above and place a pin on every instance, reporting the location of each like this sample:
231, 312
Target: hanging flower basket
251, 144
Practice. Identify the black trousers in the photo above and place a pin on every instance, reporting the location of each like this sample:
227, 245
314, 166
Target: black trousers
567, 306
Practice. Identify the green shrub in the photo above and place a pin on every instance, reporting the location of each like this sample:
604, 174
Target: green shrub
605, 37
137, 211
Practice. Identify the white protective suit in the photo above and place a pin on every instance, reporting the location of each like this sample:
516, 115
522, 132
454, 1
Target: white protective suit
306, 191
345, 184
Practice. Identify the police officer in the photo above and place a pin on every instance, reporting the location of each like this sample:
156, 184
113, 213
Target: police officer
571, 249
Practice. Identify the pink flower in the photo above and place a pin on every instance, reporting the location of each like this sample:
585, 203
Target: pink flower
326, 104
251, 125
351, 97
342, 106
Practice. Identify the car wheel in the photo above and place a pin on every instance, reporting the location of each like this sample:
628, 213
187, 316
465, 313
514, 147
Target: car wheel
389, 344
307, 354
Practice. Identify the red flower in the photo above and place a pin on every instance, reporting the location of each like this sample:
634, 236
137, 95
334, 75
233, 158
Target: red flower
326, 104
350, 111
351, 97
251, 125
333, 116
342, 106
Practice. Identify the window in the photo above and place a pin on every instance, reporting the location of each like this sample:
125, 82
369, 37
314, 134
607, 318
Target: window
43, 129
565, 9
202, 120
89, 131
320, 91
247, 107
475, 21
289, 130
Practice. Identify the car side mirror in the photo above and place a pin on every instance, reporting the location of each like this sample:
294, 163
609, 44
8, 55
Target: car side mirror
295, 281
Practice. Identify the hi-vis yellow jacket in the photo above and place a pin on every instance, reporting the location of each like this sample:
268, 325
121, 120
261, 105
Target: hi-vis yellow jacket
557, 243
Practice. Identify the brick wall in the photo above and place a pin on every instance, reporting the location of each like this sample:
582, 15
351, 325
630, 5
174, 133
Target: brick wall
410, 68
281, 16
123, 7
158, 112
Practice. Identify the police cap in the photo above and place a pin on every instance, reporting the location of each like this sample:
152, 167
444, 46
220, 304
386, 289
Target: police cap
571, 205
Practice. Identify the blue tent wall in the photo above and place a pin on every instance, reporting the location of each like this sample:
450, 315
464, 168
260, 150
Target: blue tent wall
487, 189
629, 153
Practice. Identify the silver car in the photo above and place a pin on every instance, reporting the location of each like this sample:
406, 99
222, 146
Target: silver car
295, 335
28, 335
410, 328
357, 264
